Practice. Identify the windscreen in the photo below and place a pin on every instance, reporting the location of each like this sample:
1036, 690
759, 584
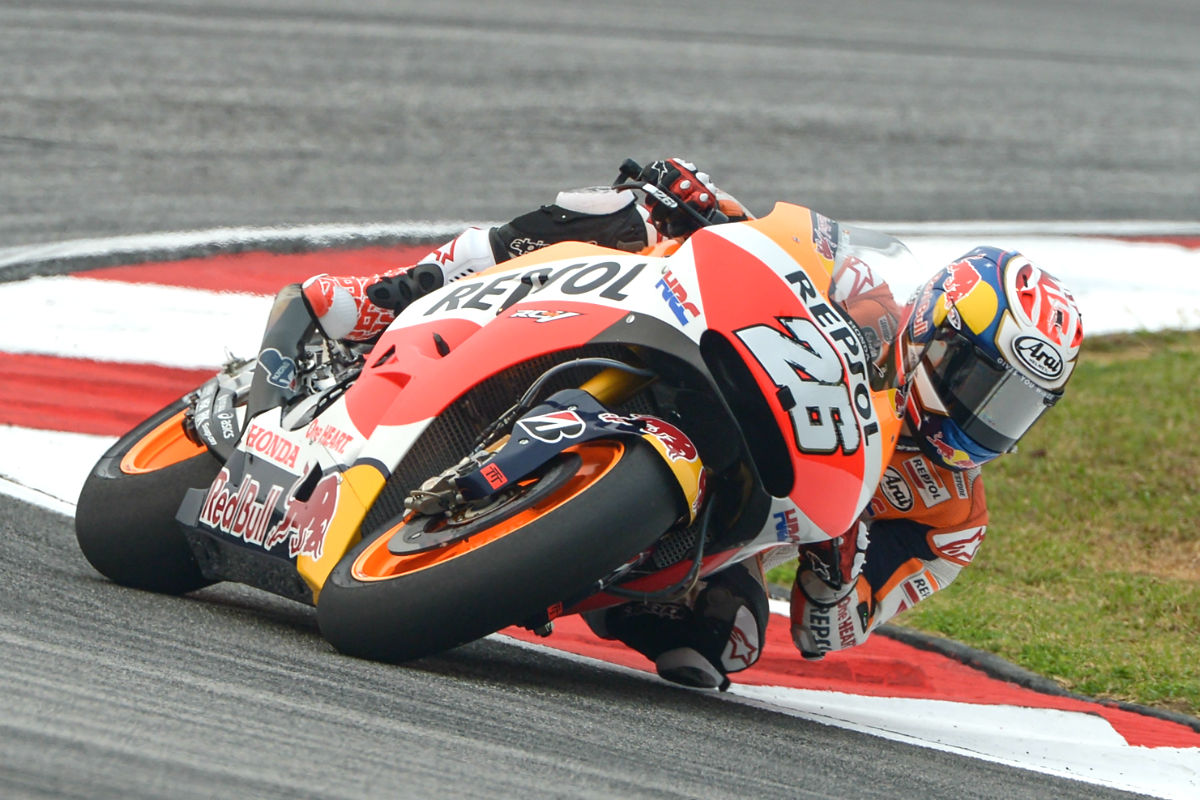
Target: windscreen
874, 277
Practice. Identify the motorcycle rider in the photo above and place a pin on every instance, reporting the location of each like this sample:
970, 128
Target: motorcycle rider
988, 343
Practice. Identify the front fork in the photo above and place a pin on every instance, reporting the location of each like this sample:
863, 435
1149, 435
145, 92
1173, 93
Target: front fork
613, 386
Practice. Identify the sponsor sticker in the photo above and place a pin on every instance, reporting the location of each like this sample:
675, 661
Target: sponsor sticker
677, 444
951, 455
305, 524
917, 588
932, 490
327, 436
958, 547
553, 427
494, 476
824, 235
676, 297
607, 279
961, 487
280, 370
541, 315
271, 446
787, 527
896, 490
239, 512
1039, 357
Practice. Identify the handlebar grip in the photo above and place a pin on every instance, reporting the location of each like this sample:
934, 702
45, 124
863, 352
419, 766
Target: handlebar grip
629, 170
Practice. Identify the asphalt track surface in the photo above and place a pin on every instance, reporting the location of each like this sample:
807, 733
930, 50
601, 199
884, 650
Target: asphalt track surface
134, 117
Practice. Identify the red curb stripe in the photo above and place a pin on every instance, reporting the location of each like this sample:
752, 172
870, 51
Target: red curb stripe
84, 396
1189, 242
260, 272
881, 667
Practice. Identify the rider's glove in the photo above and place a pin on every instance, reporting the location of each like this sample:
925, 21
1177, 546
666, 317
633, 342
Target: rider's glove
679, 178
831, 599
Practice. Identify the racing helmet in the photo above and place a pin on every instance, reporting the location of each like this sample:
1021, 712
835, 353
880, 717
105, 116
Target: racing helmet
988, 346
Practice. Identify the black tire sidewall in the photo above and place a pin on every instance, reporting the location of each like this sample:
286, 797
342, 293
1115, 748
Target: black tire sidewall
508, 581
125, 523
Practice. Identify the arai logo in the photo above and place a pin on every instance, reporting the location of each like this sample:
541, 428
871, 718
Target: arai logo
1037, 354
896, 490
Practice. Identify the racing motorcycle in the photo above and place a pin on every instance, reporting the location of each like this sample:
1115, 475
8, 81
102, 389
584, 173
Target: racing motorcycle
573, 429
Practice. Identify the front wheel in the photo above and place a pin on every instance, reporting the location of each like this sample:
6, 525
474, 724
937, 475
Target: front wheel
591, 510
125, 517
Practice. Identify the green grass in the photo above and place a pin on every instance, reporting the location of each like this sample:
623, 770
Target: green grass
1090, 573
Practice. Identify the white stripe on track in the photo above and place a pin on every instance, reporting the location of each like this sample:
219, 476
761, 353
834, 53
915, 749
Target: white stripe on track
1120, 286
328, 235
47, 468
1061, 743
130, 322
310, 236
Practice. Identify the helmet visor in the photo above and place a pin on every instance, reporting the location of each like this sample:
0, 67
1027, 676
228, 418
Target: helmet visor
989, 400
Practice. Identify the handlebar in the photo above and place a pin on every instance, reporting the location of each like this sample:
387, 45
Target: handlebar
629, 176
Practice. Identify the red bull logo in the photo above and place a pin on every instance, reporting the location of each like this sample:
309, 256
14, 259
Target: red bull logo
824, 236
678, 446
240, 513
968, 298
305, 523
951, 455
961, 279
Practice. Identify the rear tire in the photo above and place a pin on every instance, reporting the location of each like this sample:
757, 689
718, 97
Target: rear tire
571, 527
125, 518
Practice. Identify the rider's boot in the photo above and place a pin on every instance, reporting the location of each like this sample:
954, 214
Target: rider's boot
696, 644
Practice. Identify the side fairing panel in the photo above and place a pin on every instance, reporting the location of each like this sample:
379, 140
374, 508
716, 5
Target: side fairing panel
807, 357
561, 297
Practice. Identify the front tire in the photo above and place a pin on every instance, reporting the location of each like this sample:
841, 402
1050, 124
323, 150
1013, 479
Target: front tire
595, 507
125, 517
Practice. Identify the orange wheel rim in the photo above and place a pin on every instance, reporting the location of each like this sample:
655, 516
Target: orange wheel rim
377, 563
165, 445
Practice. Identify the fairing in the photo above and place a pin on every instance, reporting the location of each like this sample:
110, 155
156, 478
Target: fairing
763, 286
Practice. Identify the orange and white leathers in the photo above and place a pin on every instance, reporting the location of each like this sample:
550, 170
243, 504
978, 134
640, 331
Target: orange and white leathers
923, 525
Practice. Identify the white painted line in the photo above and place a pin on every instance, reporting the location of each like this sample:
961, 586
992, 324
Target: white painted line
47, 468
228, 238
1099, 228
34, 497
1060, 743
129, 322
